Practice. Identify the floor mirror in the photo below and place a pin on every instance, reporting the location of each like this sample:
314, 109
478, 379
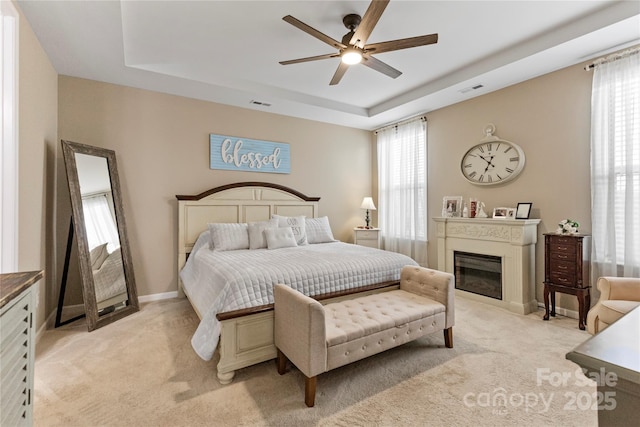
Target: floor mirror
106, 271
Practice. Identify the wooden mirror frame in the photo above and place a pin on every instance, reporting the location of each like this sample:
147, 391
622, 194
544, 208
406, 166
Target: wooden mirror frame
95, 321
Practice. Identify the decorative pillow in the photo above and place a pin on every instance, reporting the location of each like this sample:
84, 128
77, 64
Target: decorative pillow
318, 230
98, 255
257, 240
297, 226
281, 237
229, 236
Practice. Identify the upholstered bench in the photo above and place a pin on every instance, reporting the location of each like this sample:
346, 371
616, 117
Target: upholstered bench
317, 338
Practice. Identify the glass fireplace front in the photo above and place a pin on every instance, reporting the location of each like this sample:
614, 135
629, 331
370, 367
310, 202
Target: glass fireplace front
479, 274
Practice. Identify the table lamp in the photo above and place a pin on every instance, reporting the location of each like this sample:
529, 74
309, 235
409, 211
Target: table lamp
367, 203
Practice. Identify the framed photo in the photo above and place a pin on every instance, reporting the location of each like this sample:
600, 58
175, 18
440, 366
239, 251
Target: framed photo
501, 213
511, 213
523, 210
452, 206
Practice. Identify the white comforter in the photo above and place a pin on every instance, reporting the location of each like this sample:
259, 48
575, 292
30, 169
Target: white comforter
217, 282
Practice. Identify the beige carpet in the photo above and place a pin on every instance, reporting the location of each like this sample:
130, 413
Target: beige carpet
142, 371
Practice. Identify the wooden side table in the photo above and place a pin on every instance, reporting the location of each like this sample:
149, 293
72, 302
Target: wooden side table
566, 270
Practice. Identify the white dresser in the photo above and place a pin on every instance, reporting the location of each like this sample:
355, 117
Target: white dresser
367, 237
17, 347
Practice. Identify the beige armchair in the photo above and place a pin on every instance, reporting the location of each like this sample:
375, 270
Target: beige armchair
618, 296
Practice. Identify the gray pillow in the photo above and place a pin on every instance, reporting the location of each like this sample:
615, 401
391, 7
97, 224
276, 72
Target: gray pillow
229, 236
257, 239
297, 226
98, 255
318, 230
281, 237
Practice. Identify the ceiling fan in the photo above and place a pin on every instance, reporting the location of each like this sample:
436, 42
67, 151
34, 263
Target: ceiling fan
353, 48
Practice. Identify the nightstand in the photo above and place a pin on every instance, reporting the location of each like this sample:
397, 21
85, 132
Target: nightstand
369, 237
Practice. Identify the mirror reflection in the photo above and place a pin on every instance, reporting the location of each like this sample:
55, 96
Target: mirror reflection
102, 233
108, 285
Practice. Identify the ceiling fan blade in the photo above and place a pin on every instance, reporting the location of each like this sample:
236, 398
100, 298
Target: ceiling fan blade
401, 44
342, 68
380, 66
369, 21
313, 32
310, 58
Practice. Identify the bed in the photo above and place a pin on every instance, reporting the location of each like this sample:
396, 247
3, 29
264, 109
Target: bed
232, 290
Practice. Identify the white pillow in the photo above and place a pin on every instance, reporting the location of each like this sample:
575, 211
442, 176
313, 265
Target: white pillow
281, 237
297, 226
98, 255
257, 239
229, 236
318, 230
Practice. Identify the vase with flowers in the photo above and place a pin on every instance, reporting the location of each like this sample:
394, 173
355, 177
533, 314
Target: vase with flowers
568, 226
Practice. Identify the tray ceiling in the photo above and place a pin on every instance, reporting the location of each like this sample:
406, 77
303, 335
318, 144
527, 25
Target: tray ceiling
228, 51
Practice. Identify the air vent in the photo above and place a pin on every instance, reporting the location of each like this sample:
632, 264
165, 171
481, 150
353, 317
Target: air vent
260, 103
470, 88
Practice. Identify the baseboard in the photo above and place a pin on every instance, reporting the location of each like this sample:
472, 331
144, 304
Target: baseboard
563, 311
158, 297
45, 325
68, 312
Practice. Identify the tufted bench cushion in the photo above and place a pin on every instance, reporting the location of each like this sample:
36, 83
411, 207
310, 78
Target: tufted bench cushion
353, 319
319, 338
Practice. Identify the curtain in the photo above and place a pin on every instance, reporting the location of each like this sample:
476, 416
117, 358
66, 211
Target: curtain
99, 223
402, 184
615, 168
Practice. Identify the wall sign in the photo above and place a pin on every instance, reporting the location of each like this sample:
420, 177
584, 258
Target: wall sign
242, 154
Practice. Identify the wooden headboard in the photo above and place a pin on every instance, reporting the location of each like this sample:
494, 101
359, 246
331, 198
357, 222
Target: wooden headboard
240, 202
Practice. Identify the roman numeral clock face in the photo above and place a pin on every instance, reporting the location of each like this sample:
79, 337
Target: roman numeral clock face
492, 162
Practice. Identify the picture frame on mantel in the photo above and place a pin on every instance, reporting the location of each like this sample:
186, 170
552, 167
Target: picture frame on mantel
452, 206
501, 213
523, 210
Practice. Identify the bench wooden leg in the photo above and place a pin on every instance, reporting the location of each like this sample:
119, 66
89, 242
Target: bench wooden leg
448, 337
281, 362
310, 391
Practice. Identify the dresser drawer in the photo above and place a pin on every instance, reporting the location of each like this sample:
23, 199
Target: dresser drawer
564, 279
562, 242
562, 256
563, 267
367, 235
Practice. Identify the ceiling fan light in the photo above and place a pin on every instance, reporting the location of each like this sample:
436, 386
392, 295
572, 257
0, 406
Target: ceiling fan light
351, 56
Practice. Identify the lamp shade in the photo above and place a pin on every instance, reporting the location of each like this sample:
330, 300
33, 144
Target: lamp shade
367, 203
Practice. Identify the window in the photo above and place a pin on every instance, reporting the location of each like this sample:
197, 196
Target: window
402, 184
615, 166
9, 153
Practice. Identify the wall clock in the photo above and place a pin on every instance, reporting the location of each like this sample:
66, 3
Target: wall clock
492, 161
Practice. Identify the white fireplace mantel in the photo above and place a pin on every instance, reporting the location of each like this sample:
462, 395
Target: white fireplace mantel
514, 241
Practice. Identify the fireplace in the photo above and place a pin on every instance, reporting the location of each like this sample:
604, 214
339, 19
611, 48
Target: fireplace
479, 274
505, 249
